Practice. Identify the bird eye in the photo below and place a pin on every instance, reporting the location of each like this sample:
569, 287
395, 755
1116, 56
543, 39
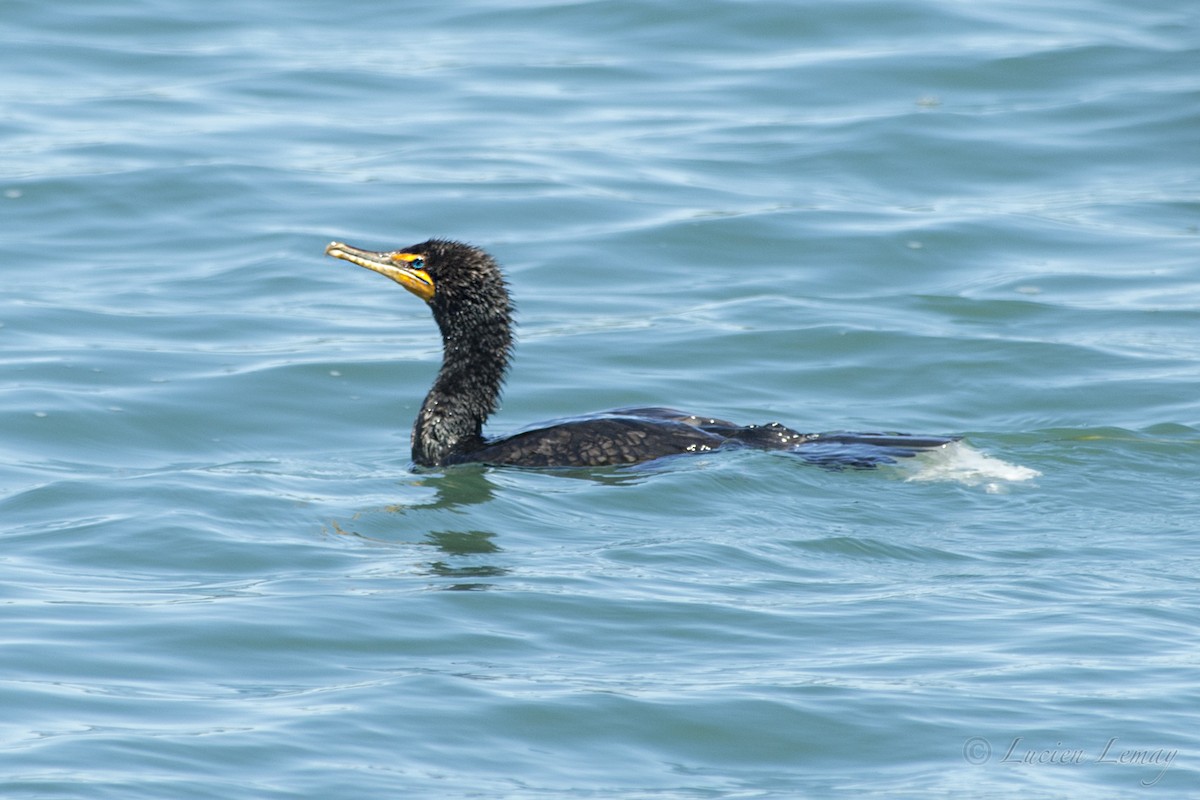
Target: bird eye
410, 260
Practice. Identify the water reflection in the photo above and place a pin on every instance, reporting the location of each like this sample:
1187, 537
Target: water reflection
454, 518
455, 491
462, 486
460, 544
462, 552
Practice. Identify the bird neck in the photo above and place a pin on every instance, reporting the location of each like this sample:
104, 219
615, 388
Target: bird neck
465, 392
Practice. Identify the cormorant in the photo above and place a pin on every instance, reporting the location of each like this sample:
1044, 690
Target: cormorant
468, 296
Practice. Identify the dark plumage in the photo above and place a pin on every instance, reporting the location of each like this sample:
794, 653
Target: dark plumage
467, 294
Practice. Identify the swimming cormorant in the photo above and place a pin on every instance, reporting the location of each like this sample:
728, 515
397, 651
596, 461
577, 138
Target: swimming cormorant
468, 296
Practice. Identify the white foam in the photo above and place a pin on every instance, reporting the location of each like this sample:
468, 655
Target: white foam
960, 463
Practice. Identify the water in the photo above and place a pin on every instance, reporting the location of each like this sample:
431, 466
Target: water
221, 577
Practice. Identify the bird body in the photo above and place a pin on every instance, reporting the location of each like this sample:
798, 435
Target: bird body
466, 291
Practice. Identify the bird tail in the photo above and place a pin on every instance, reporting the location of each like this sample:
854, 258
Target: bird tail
848, 449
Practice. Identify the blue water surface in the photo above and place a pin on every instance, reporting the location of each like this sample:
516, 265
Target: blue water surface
221, 577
